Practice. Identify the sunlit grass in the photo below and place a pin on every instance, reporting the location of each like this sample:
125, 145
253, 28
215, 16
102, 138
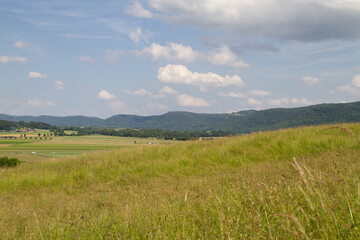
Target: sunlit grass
245, 187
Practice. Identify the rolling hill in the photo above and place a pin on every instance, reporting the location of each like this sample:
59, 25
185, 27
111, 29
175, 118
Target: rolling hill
237, 122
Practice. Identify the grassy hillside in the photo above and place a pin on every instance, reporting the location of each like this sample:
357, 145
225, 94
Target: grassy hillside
245, 187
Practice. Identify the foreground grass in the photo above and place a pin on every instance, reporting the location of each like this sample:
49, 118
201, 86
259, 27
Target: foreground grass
246, 187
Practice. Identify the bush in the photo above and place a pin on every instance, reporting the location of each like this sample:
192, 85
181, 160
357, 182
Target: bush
6, 162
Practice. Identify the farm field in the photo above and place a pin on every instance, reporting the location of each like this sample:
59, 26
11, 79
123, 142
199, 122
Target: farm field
31, 150
298, 183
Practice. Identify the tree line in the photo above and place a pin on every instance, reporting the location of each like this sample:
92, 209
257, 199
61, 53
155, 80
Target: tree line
140, 133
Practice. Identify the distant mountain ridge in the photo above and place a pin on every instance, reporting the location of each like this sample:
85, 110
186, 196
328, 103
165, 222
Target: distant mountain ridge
237, 122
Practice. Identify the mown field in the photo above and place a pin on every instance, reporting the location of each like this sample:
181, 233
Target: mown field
31, 150
298, 183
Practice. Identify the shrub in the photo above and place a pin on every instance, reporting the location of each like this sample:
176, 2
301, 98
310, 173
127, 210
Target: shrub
6, 162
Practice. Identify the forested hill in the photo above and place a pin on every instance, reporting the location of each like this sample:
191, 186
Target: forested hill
238, 122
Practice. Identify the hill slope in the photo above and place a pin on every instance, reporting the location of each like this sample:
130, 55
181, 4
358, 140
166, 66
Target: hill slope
239, 122
245, 187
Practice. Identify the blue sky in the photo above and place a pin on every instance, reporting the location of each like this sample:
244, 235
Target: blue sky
101, 58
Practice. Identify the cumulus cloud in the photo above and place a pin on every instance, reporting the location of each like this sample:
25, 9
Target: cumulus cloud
309, 20
137, 10
105, 95
140, 92
138, 35
87, 59
356, 81
35, 103
223, 56
353, 88
171, 52
232, 94
59, 85
37, 75
310, 81
20, 44
165, 91
259, 93
112, 56
188, 101
179, 74
14, 58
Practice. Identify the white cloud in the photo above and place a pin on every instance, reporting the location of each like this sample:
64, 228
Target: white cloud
137, 35
87, 59
112, 56
356, 81
167, 90
20, 44
310, 81
348, 88
140, 92
188, 101
164, 92
307, 20
259, 93
37, 75
232, 94
15, 58
155, 105
137, 10
35, 103
174, 52
353, 88
106, 95
171, 52
117, 106
181, 75
254, 102
59, 85
223, 56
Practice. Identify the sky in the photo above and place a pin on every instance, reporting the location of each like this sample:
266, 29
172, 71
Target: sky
149, 57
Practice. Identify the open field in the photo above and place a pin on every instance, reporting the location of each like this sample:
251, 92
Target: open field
245, 187
30, 150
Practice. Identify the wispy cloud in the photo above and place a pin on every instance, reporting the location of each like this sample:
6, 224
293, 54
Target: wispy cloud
14, 58
310, 81
35, 103
189, 101
20, 44
140, 92
112, 56
59, 85
232, 94
136, 9
87, 59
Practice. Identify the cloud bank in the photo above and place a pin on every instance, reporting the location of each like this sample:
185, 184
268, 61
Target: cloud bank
307, 20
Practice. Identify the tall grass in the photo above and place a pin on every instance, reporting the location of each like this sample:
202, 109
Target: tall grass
289, 184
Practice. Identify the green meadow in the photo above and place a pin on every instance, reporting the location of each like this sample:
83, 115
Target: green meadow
298, 183
33, 150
